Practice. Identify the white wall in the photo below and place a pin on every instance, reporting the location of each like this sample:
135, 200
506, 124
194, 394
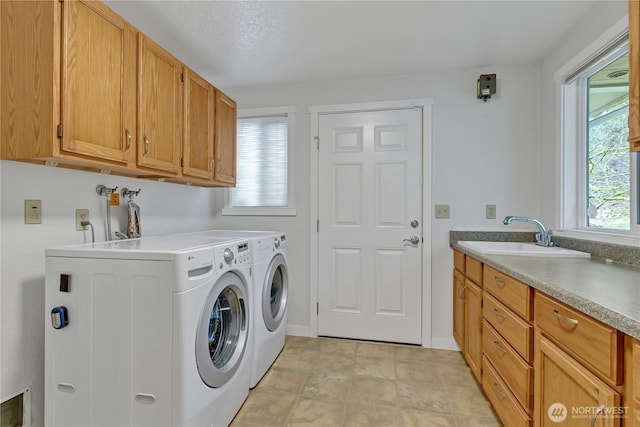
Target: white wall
165, 208
598, 20
482, 153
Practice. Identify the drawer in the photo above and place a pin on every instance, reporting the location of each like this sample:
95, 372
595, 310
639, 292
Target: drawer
458, 261
505, 405
511, 292
597, 345
516, 373
473, 270
512, 328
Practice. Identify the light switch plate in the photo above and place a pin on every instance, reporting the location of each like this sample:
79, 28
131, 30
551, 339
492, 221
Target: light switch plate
490, 211
442, 211
33, 211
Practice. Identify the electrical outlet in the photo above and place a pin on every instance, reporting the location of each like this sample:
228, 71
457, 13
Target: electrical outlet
81, 215
33, 211
442, 211
490, 211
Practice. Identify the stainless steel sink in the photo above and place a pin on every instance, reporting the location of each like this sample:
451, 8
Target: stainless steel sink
521, 249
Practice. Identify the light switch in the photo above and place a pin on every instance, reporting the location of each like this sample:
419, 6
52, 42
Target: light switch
490, 211
33, 211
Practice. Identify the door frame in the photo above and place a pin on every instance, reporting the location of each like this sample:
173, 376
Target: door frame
426, 104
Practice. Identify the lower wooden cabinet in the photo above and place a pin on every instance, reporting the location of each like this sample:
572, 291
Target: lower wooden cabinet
458, 308
473, 328
500, 396
568, 394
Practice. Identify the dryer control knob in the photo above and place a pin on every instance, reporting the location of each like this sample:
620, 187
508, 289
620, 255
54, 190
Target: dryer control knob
276, 243
228, 255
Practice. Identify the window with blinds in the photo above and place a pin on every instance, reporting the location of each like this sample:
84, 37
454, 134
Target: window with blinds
263, 177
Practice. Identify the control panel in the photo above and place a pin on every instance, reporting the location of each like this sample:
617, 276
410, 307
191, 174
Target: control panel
232, 255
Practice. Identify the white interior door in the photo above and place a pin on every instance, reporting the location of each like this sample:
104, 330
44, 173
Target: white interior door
370, 206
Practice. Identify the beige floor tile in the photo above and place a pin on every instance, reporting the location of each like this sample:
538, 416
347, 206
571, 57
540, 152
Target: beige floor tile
266, 407
479, 422
281, 379
327, 385
423, 396
449, 356
373, 391
417, 370
457, 376
335, 346
339, 363
305, 343
383, 351
317, 413
413, 418
359, 415
296, 358
470, 402
415, 353
375, 367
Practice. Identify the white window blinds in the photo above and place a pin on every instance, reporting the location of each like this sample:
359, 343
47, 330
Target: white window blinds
262, 162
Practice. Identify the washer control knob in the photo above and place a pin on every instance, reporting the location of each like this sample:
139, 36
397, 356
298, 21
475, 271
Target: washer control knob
228, 255
276, 242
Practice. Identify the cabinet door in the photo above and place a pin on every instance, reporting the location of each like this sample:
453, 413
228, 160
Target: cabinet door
199, 119
473, 328
225, 146
458, 308
98, 82
634, 75
160, 107
567, 393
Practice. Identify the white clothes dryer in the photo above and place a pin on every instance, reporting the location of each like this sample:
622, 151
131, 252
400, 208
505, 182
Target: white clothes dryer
270, 291
148, 332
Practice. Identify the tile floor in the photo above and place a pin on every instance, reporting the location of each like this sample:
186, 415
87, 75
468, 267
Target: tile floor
333, 382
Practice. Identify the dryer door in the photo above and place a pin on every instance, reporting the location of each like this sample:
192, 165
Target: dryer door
221, 338
274, 293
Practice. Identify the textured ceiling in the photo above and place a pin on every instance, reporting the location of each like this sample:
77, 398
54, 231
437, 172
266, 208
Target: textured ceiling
242, 43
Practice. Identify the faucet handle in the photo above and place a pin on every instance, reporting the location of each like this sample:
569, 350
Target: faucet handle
544, 239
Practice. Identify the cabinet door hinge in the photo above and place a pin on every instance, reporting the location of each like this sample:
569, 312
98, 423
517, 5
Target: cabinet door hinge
60, 131
317, 308
182, 77
317, 225
181, 162
317, 139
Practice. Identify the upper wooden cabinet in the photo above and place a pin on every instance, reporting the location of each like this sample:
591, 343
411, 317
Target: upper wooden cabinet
199, 126
634, 75
225, 139
50, 98
82, 88
159, 107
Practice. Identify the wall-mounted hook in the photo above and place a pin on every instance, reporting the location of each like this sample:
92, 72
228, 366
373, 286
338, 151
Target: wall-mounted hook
129, 193
106, 191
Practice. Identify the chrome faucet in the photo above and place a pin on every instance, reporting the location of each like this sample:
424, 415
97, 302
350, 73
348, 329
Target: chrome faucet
542, 238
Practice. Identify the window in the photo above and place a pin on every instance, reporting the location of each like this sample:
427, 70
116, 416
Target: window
599, 175
264, 184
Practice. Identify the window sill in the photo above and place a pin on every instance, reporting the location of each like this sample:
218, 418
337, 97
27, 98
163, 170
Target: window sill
259, 212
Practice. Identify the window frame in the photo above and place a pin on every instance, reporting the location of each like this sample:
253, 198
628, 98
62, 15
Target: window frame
290, 112
572, 150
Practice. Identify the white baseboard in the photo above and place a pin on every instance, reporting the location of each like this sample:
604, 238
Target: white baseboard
444, 344
298, 331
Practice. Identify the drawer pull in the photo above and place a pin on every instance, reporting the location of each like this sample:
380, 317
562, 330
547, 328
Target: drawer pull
146, 145
499, 281
595, 415
500, 394
564, 318
460, 290
499, 315
498, 347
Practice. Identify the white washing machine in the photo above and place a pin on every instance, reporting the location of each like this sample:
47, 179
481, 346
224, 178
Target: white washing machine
148, 332
270, 289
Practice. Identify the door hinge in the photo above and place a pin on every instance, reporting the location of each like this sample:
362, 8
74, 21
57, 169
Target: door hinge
317, 308
182, 77
317, 139
60, 131
181, 162
317, 225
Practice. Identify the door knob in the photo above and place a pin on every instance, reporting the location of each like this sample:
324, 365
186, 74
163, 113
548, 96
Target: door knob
414, 240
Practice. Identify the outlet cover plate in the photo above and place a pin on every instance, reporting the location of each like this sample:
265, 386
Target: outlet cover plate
442, 211
33, 211
490, 211
81, 215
